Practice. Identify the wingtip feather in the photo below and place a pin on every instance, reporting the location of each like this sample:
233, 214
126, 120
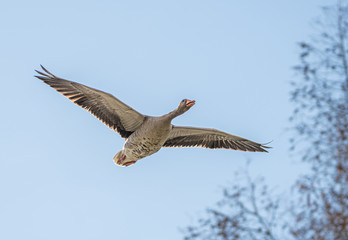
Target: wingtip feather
263, 147
43, 74
47, 74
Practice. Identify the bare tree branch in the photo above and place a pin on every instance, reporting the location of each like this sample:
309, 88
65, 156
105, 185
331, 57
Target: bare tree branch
247, 211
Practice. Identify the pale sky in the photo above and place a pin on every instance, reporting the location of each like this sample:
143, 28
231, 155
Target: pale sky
57, 177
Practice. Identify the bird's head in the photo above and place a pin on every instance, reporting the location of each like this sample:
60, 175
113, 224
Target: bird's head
185, 105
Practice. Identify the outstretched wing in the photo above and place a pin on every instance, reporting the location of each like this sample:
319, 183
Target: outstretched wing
210, 138
108, 109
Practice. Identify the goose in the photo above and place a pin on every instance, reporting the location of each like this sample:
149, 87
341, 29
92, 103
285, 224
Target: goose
144, 135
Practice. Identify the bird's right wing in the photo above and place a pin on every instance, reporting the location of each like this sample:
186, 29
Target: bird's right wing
210, 138
108, 109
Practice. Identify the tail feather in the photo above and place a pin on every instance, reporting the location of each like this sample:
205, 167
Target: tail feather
122, 162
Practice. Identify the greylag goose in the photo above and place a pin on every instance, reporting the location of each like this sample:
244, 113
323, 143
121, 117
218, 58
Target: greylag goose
145, 135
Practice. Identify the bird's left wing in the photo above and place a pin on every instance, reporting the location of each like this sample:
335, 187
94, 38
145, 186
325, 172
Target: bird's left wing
108, 109
210, 138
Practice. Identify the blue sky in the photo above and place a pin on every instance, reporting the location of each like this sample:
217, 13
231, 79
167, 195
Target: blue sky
57, 177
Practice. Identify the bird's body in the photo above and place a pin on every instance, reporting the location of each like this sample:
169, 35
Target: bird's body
145, 135
147, 139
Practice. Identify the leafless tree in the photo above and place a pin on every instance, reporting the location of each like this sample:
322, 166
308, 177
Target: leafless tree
319, 209
248, 210
321, 121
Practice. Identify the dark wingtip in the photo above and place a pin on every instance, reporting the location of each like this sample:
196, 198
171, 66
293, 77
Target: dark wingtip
41, 78
43, 68
47, 73
263, 146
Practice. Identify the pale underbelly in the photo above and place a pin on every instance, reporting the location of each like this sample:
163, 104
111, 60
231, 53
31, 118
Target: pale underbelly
141, 149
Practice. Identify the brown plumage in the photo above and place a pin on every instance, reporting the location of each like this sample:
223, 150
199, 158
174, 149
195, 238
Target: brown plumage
209, 138
144, 135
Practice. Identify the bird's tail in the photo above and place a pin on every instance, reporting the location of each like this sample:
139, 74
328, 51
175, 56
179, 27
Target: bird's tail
121, 160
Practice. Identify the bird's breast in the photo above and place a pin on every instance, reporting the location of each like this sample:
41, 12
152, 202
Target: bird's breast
140, 148
146, 141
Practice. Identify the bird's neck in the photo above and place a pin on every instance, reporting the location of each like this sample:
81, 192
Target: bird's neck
174, 114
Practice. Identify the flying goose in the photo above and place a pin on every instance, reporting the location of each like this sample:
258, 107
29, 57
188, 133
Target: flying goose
145, 135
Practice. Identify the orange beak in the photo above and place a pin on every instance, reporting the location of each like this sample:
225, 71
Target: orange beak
190, 103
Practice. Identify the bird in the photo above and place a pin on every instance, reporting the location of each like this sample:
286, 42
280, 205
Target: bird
144, 135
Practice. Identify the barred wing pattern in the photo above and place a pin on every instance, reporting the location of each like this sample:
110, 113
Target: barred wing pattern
210, 138
108, 109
